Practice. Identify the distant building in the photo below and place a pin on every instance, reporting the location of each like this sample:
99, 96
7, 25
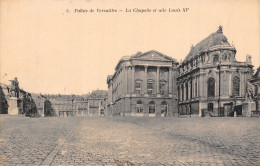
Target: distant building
97, 106
211, 81
256, 82
25, 104
143, 84
93, 104
3, 101
62, 105
44, 105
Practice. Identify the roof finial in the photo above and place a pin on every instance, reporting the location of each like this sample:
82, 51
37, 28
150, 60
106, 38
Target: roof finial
220, 29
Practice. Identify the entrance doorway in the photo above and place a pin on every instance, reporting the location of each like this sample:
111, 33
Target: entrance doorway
164, 109
210, 107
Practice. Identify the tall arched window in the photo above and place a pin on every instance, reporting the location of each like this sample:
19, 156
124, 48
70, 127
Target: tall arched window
236, 86
151, 107
182, 92
211, 87
187, 91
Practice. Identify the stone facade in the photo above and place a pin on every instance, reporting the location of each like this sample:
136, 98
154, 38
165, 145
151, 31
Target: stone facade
71, 105
96, 106
3, 101
211, 81
23, 105
256, 82
143, 84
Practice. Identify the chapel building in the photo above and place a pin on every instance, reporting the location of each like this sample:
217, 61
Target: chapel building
211, 82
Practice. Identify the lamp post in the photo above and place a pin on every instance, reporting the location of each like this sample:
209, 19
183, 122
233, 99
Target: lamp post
72, 112
219, 79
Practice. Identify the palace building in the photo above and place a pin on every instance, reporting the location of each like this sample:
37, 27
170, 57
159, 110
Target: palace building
143, 84
256, 82
211, 82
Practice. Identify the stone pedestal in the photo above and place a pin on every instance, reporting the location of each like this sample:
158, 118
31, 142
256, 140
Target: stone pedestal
247, 107
13, 108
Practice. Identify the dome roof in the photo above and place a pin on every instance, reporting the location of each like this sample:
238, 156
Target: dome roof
215, 39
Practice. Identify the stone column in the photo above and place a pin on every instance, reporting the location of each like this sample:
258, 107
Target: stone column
158, 81
88, 107
42, 114
174, 82
240, 83
170, 82
193, 89
145, 81
184, 91
230, 84
99, 107
133, 81
180, 91
224, 84
201, 87
197, 87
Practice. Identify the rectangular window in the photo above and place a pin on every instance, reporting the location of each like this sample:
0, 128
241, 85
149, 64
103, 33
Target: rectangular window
150, 87
137, 87
162, 88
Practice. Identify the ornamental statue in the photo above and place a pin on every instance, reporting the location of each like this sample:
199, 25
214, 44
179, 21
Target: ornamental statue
14, 89
248, 59
250, 91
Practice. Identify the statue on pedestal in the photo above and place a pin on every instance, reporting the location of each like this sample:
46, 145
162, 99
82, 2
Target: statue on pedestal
250, 91
14, 89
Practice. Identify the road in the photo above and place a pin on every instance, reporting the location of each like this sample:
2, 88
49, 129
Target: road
129, 141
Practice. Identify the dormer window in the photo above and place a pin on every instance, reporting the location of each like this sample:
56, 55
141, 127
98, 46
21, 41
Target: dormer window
215, 58
224, 57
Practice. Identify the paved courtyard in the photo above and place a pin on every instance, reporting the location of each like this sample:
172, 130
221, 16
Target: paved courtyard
129, 141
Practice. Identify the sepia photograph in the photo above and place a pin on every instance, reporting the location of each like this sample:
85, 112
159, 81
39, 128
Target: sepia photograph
129, 82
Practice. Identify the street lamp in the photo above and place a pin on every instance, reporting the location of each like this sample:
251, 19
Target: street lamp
72, 105
219, 78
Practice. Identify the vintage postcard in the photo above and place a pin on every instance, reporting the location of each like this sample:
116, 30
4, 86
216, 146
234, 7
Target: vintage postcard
129, 82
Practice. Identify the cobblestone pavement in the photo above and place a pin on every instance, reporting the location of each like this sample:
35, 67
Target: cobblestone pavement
129, 141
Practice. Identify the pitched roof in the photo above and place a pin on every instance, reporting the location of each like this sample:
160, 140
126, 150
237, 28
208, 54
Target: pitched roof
214, 39
139, 55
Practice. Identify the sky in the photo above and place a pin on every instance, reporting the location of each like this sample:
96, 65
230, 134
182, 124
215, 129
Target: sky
54, 51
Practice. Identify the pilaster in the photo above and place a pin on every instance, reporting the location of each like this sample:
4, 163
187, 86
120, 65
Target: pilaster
158, 81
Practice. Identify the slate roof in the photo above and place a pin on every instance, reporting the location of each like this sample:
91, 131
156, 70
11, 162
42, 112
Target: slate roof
214, 39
